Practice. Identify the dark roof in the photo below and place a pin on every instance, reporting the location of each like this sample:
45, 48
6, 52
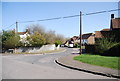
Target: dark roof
86, 36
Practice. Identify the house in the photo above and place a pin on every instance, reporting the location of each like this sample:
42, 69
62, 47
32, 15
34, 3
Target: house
23, 37
113, 30
88, 38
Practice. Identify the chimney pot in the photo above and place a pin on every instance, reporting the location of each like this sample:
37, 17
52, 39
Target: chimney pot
112, 16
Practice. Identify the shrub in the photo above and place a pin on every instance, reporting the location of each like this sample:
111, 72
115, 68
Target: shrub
10, 39
113, 51
11, 42
58, 42
36, 39
104, 44
76, 45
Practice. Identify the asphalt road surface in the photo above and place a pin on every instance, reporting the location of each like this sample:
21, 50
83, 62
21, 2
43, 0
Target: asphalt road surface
41, 67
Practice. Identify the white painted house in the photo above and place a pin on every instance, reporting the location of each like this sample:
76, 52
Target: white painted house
23, 37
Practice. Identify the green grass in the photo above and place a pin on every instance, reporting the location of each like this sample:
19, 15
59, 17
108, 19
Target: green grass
104, 61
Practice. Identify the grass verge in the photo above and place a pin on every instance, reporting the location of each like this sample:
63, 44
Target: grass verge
104, 61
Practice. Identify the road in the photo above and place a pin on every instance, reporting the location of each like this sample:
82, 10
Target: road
41, 67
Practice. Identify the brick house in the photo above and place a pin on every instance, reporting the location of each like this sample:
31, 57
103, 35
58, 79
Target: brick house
113, 30
88, 38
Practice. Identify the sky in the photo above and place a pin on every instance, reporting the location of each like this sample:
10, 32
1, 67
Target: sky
29, 11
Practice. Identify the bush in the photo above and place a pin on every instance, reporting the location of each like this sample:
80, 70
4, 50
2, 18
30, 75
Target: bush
58, 42
104, 44
36, 39
11, 42
10, 39
76, 45
113, 51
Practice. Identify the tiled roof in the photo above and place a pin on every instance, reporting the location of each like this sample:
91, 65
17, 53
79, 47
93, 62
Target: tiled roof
21, 33
98, 34
107, 29
84, 36
102, 33
116, 23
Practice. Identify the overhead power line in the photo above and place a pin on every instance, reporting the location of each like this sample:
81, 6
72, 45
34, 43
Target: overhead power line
101, 12
70, 16
10, 26
41, 20
66, 17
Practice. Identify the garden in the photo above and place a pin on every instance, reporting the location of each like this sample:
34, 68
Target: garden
106, 53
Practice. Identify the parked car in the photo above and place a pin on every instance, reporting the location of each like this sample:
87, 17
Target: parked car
62, 45
70, 45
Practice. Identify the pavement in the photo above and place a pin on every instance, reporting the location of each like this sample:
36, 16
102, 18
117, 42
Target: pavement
68, 62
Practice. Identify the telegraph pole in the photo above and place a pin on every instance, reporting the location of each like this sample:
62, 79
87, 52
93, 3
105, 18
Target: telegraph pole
16, 27
80, 32
16, 31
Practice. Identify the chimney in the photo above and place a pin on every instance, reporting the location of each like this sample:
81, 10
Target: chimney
27, 30
112, 16
111, 25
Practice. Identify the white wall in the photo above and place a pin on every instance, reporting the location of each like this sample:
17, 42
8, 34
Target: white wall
37, 49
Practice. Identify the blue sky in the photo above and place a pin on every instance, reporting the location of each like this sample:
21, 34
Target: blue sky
27, 11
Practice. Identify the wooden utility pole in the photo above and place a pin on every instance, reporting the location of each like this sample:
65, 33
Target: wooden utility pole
80, 32
16, 27
16, 31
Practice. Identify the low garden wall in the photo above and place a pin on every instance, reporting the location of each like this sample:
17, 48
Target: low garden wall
37, 49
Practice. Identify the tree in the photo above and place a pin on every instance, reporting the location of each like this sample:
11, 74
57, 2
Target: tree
50, 37
57, 42
60, 38
36, 39
36, 28
10, 39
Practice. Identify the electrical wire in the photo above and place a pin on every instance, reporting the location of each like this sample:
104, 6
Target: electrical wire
10, 26
71, 16
66, 17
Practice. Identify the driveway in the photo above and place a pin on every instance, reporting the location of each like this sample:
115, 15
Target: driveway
41, 67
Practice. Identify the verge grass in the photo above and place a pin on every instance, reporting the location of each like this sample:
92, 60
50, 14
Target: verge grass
104, 61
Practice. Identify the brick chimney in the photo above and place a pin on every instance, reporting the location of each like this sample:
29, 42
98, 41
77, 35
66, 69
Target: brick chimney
112, 16
111, 24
